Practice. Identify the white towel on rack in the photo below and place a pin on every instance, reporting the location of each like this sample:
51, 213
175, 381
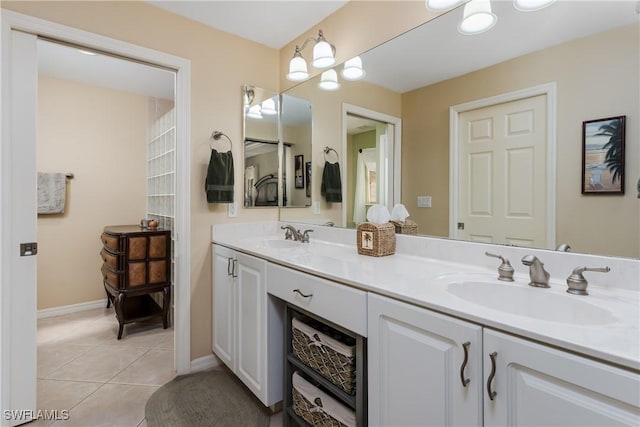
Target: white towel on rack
51, 193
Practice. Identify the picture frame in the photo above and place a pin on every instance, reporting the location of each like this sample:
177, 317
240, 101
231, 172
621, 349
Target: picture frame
307, 169
603, 155
299, 174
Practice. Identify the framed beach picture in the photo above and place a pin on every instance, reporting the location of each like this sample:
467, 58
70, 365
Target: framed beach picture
603, 156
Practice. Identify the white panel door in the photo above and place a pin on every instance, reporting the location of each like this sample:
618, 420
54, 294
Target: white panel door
250, 323
416, 367
502, 197
224, 304
536, 385
18, 294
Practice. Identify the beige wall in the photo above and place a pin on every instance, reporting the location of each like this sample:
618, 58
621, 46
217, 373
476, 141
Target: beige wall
589, 86
100, 136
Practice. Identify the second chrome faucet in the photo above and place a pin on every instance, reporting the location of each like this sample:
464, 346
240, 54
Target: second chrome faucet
538, 275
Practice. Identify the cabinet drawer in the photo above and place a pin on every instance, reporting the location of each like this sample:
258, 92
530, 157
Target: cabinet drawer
110, 242
337, 303
137, 248
108, 258
111, 277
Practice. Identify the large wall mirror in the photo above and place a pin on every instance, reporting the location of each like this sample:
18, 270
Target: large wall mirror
545, 73
277, 148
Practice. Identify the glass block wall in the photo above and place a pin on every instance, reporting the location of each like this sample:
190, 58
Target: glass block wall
161, 174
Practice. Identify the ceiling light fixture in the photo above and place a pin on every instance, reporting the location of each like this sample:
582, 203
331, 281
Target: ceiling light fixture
87, 52
439, 5
269, 107
531, 5
329, 80
477, 17
352, 69
323, 56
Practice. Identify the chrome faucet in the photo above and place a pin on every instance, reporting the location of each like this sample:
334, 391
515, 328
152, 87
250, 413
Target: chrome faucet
505, 271
577, 283
304, 238
564, 247
539, 276
292, 233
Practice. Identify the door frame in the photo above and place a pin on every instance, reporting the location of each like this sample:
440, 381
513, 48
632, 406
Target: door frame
548, 89
182, 287
397, 149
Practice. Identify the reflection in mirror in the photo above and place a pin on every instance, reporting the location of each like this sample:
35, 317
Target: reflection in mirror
295, 120
260, 147
587, 50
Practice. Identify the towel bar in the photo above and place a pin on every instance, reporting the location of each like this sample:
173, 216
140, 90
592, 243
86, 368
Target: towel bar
327, 150
69, 175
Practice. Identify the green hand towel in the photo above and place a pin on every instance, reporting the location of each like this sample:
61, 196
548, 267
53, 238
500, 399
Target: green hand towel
219, 181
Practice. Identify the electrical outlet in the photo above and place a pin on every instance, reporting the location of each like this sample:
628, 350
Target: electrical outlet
424, 201
232, 210
316, 208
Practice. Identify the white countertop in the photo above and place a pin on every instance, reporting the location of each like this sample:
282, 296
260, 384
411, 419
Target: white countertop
604, 325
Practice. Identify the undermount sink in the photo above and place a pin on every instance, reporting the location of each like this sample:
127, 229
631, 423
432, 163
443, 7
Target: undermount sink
535, 303
279, 243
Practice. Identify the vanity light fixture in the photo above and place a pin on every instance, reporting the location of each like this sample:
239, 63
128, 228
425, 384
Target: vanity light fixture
268, 107
353, 69
323, 57
255, 112
329, 80
477, 17
531, 5
438, 5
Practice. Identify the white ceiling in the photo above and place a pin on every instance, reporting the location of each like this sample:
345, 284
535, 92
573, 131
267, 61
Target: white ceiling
270, 22
430, 53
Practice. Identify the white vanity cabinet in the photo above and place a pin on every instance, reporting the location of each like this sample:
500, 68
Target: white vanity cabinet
247, 326
538, 385
424, 368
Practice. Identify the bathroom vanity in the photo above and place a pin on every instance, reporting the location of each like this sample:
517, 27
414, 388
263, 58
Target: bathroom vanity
446, 342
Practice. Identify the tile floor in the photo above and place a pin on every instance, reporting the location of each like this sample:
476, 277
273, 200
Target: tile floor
84, 369
101, 381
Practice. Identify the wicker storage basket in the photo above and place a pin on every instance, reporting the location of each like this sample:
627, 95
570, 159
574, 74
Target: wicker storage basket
318, 408
376, 239
327, 351
405, 227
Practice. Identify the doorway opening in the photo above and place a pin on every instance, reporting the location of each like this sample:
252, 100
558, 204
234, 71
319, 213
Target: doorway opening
371, 149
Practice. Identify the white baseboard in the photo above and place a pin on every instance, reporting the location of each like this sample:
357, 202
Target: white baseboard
205, 362
73, 308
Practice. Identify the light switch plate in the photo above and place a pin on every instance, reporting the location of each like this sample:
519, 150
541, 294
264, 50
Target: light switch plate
424, 201
232, 210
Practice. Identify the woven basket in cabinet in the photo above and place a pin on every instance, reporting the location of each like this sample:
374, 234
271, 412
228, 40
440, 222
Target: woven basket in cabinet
319, 408
325, 350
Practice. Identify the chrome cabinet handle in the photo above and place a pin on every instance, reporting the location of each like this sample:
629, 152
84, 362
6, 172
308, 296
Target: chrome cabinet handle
229, 271
465, 381
297, 291
490, 392
234, 273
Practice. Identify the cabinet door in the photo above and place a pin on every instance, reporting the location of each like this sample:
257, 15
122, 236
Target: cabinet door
541, 386
251, 323
415, 359
224, 305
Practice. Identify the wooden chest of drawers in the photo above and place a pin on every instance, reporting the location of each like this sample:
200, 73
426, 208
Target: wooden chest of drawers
136, 263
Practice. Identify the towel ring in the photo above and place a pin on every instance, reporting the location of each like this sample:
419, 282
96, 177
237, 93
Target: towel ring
216, 136
327, 150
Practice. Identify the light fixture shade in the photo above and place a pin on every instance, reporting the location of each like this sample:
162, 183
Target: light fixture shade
477, 17
329, 80
353, 69
269, 107
322, 54
441, 4
297, 68
531, 5
255, 112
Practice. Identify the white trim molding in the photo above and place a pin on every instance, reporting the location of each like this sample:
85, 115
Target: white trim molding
548, 89
73, 308
205, 362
